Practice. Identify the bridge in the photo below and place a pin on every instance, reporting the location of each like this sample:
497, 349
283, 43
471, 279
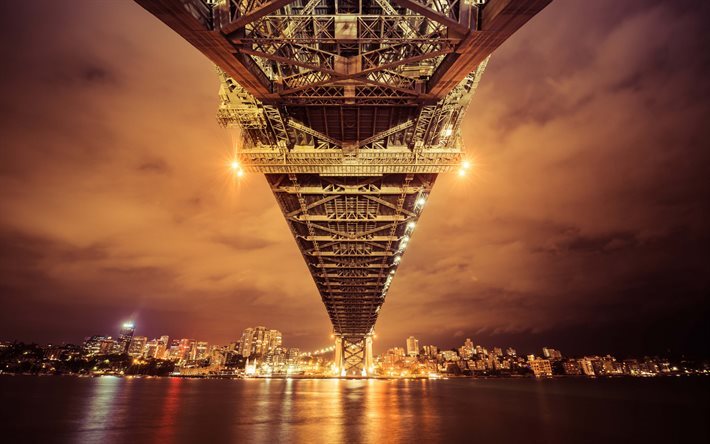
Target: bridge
351, 108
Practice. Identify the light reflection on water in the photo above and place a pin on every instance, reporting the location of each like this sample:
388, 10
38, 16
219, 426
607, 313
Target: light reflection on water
172, 410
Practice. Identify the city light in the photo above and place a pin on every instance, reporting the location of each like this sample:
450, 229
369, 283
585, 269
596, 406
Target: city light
103, 355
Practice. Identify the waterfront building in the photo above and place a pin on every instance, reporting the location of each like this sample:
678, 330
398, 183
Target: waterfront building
551, 353
586, 365
412, 346
541, 367
135, 349
125, 336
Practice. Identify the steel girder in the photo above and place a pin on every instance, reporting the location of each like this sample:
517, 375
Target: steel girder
352, 241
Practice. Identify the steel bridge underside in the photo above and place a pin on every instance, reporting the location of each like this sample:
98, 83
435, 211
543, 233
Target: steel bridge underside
352, 231
351, 108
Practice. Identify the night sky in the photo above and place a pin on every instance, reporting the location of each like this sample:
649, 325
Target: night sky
583, 226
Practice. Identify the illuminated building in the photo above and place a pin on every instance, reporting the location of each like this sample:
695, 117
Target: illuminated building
551, 353
107, 346
137, 345
259, 341
162, 347
293, 355
124, 338
466, 351
572, 367
200, 350
93, 345
540, 367
586, 366
412, 346
185, 349
431, 350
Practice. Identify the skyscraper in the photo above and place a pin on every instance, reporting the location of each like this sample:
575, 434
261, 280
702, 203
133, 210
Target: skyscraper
260, 341
124, 338
412, 346
137, 345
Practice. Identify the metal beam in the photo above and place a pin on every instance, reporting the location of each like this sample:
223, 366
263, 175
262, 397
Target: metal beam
254, 14
434, 15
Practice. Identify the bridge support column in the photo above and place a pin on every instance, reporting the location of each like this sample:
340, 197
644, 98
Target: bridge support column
353, 356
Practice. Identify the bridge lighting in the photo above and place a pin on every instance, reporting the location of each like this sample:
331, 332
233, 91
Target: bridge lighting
421, 201
411, 225
466, 164
462, 172
397, 259
446, 132
234, 165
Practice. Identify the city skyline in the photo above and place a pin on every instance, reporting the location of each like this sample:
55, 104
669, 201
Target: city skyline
574, 228
263, 352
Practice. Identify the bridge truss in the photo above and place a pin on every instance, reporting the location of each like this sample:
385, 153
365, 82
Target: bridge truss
351, 108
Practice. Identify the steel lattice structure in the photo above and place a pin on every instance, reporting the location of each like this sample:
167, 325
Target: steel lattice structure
350, 108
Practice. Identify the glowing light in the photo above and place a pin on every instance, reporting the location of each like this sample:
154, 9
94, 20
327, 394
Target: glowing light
462, 172
397, 259
421, 201
411, 225
447, 132
234, 165
240, 173
128, 325
466, 164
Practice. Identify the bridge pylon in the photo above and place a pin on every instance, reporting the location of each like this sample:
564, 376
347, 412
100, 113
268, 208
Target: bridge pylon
353, 356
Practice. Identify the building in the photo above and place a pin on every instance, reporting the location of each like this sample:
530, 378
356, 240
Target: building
467, 350
586, 366
541, 367
185, 348
571, 367
124, 338
93, 344
162, 348
431, 350
200, 350
412, 346
259, 341
135, 349
551, 353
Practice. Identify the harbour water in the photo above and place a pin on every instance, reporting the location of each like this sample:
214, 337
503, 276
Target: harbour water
174, 410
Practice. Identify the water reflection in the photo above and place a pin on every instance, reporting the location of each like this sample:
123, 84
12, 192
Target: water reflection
167, 410
98, 414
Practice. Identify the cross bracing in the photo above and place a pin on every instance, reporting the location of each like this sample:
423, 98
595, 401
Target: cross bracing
351, 108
